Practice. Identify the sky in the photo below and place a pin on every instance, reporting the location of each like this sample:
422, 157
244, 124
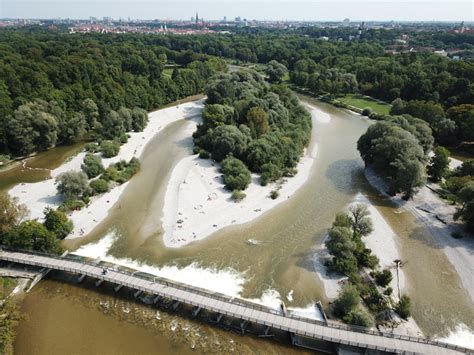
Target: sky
309, 10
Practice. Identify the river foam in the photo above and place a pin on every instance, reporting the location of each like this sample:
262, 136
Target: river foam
227, 281
462, 335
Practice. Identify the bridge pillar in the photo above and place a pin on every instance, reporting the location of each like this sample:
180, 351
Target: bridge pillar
219, 317
267, 330
117, 288
244, 326
137, 294
98, 283
196, 311
43, 272
293, 338
156, 299
176, 305
81, 278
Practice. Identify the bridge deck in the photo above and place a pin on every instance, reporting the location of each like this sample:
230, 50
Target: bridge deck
237, 308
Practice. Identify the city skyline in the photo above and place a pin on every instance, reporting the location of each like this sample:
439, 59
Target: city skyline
302, 10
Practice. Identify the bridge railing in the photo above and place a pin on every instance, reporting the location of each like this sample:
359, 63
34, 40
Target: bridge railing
237, 301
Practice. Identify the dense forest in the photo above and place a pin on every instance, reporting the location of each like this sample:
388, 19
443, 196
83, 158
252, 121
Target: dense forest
56, 88
250, 125
80, 77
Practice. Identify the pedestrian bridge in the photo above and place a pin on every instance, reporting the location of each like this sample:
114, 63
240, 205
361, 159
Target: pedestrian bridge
236, 308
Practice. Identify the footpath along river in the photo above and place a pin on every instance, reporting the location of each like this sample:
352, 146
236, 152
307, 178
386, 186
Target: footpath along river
66, 318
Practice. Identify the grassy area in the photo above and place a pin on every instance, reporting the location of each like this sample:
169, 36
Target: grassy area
168, 72
362, 102
7, 284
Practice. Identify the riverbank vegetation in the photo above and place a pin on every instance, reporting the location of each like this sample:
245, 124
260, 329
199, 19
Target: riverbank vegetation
9, 315
252, 126
77, 188
397, 148
56, 88
350, 257
9, 318
19, 233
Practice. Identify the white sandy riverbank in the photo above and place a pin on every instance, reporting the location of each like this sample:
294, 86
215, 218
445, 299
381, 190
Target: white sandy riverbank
197, 204
383, 243
431, 210
37, 196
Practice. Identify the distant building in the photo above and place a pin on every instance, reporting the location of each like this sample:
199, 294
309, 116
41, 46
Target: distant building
346, 22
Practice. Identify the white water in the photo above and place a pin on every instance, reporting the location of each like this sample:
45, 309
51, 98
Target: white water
227, 281
462, 336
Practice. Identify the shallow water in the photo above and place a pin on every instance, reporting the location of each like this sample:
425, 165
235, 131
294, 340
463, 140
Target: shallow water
36, 168
280, 265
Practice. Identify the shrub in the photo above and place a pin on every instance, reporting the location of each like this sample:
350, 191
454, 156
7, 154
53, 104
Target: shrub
92, 147
4, 158
72, 184
366, 111
123, 138
204, 154
347, 300
238, 196
359, 317
269, 172
99, 186
122, 171
274, 194
236, 174
71, 205
57, 223
403, 307
92, 165
383, 278
367, 259
388, 291
455, 183
109, 148
375, 300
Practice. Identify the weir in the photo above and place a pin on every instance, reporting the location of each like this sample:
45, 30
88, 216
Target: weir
247, 312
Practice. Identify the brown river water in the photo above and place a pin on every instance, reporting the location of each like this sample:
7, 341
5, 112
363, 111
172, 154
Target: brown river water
65, 318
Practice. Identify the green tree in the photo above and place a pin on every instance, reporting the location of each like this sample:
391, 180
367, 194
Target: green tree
99, 186
359, 317
139, 119
466, 211
347, 300
31, 128
257, 120
360, 220
109, 149
439, 164
32, 235
463, 116
11, 213
403, 307
57, 223
92, 165
383, 278
236, 174
73, 185
228, 140
275, 71
91, 113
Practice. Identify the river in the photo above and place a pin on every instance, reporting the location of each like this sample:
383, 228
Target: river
65, 317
